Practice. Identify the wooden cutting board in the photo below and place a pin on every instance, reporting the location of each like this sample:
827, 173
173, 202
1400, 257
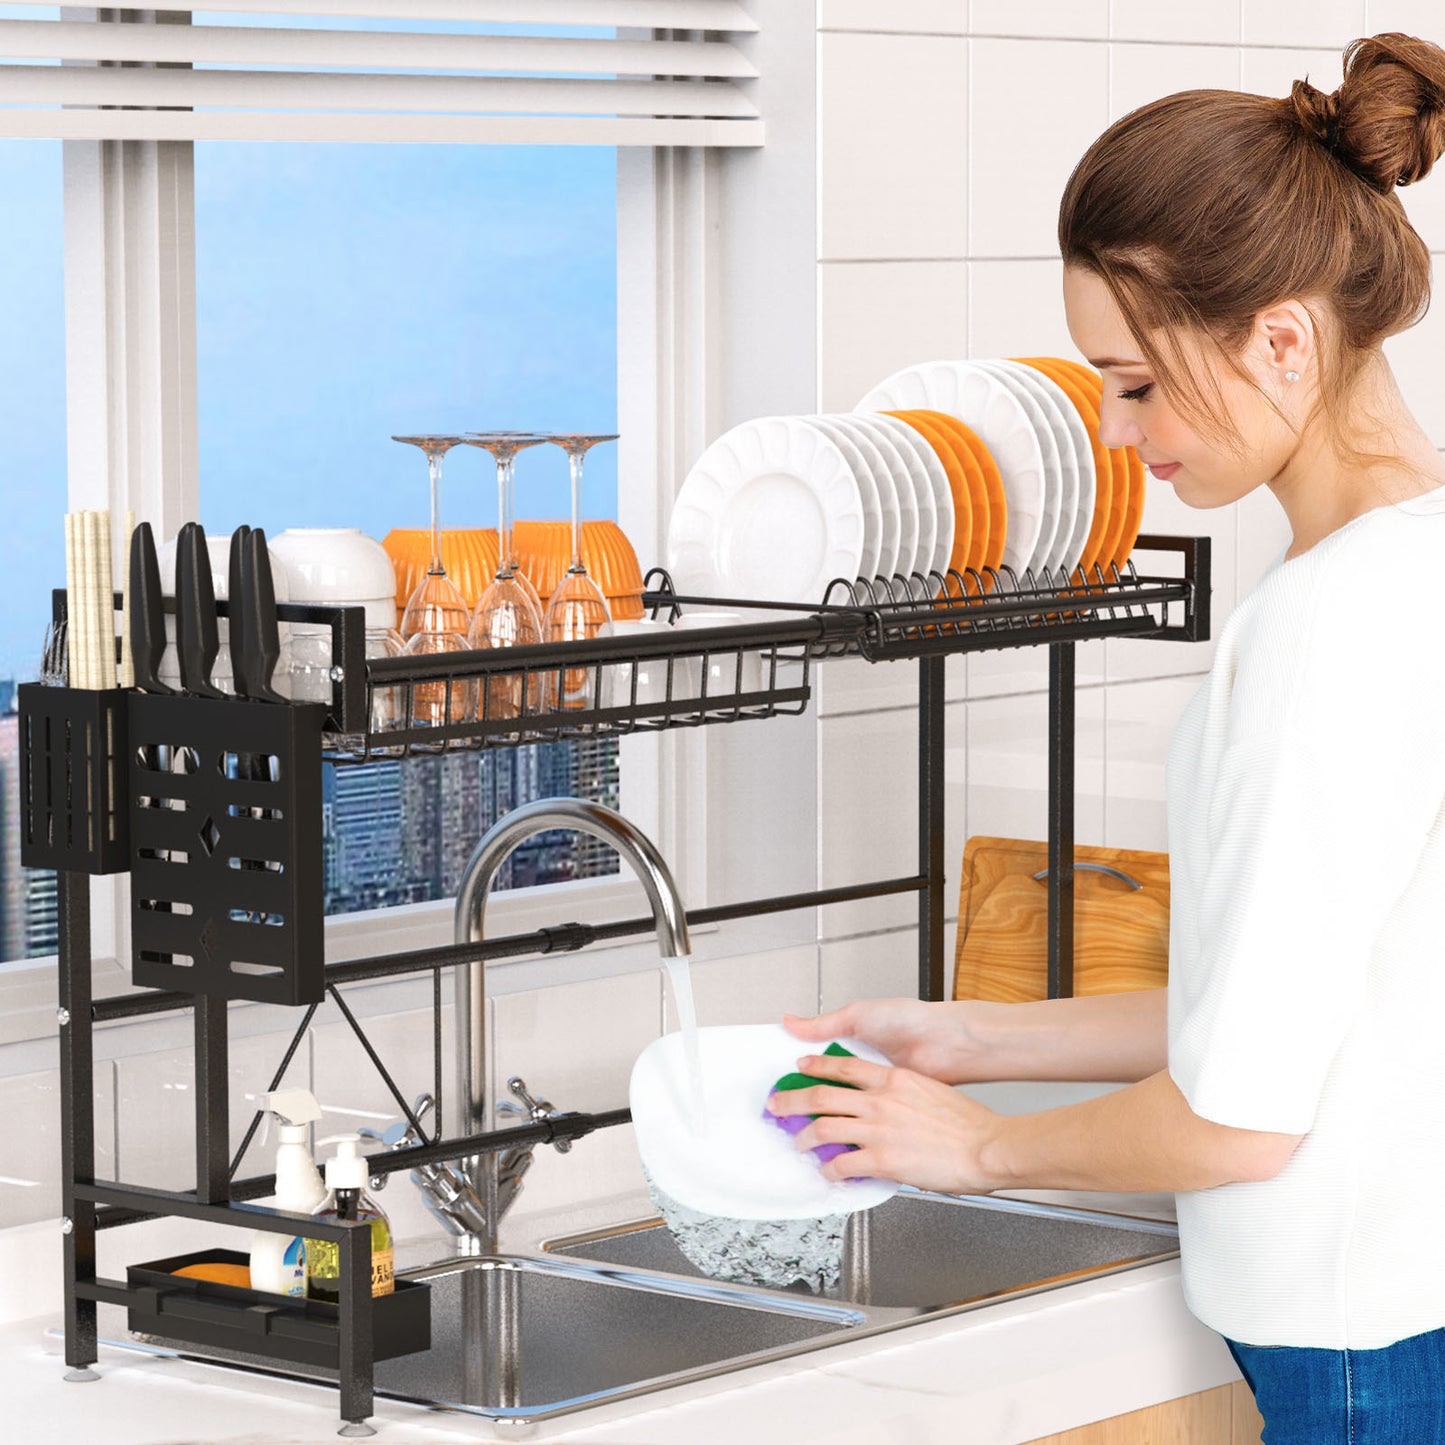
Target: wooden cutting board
1121, 932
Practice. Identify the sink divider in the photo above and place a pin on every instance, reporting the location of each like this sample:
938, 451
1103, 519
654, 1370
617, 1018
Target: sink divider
100, 785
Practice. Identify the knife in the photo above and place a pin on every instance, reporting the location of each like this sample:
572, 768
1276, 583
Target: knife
147, 612
260, 631
236, 611
197, 637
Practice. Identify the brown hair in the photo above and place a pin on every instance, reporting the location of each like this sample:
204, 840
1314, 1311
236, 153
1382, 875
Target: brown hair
1204, 208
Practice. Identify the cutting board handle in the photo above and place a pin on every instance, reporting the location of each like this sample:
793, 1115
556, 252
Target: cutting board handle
1095, 868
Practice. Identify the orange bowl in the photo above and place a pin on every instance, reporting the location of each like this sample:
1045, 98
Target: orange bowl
469, 554
544, 552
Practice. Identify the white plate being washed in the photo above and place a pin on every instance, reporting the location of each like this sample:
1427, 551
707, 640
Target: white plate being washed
770, 510
983, 402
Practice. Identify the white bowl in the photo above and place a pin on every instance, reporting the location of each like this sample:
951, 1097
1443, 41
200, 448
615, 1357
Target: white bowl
219, 548
337, 567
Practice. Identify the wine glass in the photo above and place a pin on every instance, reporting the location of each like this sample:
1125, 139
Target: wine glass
577, 608
507, 614
437, 615
437, 604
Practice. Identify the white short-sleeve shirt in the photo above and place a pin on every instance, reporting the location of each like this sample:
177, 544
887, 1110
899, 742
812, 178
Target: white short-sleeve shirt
1305, 784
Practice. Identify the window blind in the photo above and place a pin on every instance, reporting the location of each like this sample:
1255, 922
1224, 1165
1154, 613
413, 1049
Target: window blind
643, 72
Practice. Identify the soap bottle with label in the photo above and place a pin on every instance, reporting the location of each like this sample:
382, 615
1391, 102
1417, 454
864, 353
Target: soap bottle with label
278, 1261
346, 1198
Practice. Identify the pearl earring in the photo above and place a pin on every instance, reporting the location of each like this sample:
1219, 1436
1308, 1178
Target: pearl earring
1291, 376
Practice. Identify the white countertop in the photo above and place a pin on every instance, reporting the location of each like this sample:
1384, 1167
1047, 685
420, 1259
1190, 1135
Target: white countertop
1013, 1372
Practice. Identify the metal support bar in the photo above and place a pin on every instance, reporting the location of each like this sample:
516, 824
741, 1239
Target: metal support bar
213, 1122
931, 981
271, 1088
356, 1342
453, 955
77, 1116
1061, 820
375, 1058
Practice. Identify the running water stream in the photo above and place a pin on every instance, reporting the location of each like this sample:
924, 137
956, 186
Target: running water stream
679, 974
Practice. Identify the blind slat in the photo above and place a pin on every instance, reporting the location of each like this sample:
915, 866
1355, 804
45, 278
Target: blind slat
655, 14
390, 50
406, 129
326, 90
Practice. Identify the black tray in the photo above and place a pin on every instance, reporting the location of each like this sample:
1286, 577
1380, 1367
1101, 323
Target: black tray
227, 1317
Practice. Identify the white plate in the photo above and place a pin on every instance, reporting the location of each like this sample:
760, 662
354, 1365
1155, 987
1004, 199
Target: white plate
983, 402
886, 459
742, 1166
1057, 528
910, 523
770, 510
880, 525
926, 473
1078, 436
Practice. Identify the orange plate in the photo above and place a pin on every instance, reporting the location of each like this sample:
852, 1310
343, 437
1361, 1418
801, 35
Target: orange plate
1103, 467
968, 440
1128, 488
966, 514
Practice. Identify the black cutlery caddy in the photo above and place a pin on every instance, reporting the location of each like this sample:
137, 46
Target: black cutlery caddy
73, 814
226, 847
251, 1321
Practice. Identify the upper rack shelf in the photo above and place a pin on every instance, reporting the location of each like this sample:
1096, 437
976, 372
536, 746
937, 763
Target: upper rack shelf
752, 669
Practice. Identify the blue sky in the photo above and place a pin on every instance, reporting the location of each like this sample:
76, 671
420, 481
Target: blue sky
344, 293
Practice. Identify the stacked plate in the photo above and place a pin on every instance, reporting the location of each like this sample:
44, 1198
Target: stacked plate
963, 466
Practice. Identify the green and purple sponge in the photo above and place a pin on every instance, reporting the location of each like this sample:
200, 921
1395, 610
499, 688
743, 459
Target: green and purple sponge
796, 1123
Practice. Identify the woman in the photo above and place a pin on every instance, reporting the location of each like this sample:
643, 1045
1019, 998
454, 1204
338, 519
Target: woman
1232, 266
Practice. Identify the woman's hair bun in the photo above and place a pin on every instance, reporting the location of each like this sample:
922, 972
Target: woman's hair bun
1386, 122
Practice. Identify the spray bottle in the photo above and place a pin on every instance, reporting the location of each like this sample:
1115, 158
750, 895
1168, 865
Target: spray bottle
278, 1261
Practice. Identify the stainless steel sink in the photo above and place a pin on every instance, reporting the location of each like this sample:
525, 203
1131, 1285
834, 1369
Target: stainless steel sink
929, 1252
523, 1338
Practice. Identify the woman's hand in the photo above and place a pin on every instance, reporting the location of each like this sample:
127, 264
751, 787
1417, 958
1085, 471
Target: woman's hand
936, 1039
906, 1127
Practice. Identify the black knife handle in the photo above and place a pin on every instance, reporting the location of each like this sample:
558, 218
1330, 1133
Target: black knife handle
262, 633
236, 612
197, 638
147, 611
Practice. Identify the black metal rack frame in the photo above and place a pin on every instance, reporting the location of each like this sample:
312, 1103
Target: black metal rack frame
924, 618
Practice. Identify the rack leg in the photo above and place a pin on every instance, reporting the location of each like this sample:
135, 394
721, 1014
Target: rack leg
1061, 820
356, 1338
931, 982
213, 1129
77, 1120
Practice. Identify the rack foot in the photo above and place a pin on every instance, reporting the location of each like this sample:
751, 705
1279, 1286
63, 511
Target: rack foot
356, 1430
82, 1376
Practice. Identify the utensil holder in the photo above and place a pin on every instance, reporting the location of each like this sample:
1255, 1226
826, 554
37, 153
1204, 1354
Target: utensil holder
72, 779
253, 1322
225, 847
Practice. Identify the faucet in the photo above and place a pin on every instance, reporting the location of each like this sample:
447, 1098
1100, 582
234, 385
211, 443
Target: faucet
472, 1195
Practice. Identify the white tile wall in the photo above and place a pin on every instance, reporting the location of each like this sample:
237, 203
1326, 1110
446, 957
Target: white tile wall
1415, 17
877, 965
892, 117
1138, 724
1301, 22
1212, 22
1017, 309
1414, 356
1273, 72
1050, 19
1141, 73
1034, 105
752, 988
876, 317
923, 17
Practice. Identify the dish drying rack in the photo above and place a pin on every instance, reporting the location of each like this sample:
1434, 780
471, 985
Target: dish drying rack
94, 802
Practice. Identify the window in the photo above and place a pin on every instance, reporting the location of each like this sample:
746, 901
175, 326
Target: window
32, 465
348, 292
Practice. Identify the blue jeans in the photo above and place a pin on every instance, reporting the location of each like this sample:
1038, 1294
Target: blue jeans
1389, 1396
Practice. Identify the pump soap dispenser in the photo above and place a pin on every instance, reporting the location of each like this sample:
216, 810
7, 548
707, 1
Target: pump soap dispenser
278, 1261
346, 1198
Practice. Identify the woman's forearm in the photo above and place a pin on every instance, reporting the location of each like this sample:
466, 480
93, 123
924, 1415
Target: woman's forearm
1118, 1038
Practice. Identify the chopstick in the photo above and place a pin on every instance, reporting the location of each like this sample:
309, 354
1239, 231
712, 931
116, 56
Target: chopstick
90, 594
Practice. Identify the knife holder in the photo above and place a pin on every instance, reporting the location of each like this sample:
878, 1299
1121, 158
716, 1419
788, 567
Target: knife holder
72, 779
226, 848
